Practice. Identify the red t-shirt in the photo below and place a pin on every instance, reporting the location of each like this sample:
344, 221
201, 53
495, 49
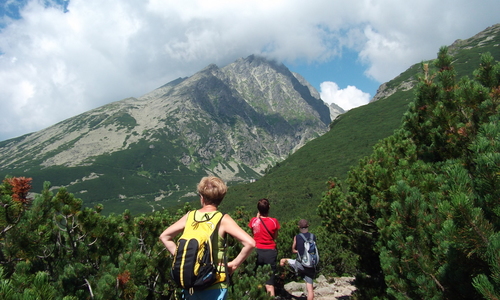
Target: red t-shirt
264, 240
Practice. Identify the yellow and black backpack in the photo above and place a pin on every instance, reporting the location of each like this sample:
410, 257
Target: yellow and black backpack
195, 265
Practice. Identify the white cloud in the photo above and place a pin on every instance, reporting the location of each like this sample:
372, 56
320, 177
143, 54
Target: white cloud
54, 65
347, 98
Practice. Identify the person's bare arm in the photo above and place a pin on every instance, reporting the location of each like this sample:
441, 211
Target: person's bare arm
230, 227
167, 236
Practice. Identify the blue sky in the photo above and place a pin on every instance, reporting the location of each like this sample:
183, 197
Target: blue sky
61, 58
344, 71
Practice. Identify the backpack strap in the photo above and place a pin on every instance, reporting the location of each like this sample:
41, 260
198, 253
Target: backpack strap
206, 217
304, 237
311, 237
262, 221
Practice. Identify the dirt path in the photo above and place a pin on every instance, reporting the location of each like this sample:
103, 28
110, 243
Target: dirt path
336, 288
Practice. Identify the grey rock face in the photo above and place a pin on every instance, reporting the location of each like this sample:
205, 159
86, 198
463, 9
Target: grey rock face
244, 116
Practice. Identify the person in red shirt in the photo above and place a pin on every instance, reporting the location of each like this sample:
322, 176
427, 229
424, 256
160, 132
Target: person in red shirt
265, 231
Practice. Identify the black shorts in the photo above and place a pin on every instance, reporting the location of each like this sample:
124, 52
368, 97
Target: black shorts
267, 257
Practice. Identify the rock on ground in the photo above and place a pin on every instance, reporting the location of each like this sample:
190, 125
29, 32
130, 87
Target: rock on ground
337, 288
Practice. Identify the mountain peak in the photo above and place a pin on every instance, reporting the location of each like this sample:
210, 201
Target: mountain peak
233, 122
210, 68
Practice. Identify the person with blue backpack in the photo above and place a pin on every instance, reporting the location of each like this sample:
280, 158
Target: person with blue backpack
304, 245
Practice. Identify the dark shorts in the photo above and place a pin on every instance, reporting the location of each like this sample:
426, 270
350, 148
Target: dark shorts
267, 257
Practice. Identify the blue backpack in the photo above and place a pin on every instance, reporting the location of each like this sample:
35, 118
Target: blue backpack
310, 258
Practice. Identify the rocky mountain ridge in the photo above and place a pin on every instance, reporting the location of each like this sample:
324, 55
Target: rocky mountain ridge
233, 121
116, 126
482, 39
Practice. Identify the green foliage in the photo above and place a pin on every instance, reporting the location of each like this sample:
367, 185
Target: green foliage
411, 206
58, 249
249, 284
422, 211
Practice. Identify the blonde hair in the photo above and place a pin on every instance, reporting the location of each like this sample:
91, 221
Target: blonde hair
213, 190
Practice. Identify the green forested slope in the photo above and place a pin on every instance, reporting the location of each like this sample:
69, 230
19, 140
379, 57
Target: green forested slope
422, 212
296, 185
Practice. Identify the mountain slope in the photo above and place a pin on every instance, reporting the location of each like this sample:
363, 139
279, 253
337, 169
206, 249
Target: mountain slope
135, 153
296, 185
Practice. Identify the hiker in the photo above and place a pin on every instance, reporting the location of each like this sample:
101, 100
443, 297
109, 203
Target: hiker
265, 232
308, 273
212, 191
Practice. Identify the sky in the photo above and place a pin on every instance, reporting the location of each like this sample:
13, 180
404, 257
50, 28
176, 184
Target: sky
61, 58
